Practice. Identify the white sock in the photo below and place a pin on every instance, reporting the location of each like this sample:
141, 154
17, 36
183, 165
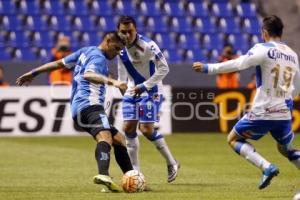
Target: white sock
133, 145
247, 151
163, 148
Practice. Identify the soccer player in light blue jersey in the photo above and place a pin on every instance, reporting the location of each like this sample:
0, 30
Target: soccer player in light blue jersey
277, 83
143, 66
87, 99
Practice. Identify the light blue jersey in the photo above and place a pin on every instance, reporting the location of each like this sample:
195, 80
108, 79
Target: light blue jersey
85, 93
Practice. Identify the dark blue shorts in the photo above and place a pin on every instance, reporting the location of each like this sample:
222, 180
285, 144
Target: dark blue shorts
281, 130
142, 109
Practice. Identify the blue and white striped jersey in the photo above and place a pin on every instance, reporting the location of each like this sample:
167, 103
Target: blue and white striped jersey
277, 78
142, 63
85, 93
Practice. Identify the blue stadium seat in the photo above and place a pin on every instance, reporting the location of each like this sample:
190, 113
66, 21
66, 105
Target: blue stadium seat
251, 25
212, 41
179, 24
27, 54
7, 7
222, 9
228, 25
43, 39
164, 40
57, 22
172, 56
28, 7
197, 9
99, 8
9, 23
16, 39
150, 8
239, 41
159, 24
32, 22
51, 7
124, 8
246, 10
4, 55
204, 25
173, 9
105, 24
190, 56
187, 41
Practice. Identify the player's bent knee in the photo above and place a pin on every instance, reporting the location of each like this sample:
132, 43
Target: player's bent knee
119, 139
104, 136
147, 129
129, 127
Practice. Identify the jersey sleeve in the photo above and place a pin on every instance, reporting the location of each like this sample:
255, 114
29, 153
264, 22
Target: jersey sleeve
255, 56
71, 60
122, 72
96, 64
296, 82
161, 65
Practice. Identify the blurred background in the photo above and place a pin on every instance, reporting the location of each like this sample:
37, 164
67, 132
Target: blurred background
37, 31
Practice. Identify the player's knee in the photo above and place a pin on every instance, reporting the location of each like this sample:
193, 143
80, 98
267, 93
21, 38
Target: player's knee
119, 139
129, 128
283, 150
104, 136
146, 129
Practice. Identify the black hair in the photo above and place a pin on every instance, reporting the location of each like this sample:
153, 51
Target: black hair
125, 19
114, 35
273, 25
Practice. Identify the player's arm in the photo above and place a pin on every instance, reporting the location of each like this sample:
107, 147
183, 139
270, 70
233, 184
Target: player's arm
122, 74
29, 76
162, 69
296, 83
101, 79
254, 57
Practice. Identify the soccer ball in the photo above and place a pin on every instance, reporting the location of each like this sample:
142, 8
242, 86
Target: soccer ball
133, 181
297, 196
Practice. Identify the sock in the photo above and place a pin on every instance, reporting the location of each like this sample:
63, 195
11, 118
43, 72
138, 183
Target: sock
162, 147
247, 151
133, 144
122, 158
294, 157
102, 155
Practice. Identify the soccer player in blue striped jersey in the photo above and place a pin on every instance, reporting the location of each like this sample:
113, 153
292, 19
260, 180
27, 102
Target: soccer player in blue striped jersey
87, 99
277, 83
143, 66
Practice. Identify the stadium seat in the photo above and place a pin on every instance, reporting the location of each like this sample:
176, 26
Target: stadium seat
190, 56
27, 7
9, 23
164, 40
222, 10
228, 25
179, 24
99, 7
4, 55
150, 8
212, 41
105, 23
32, 22
204, 25
51, 7
7, 7
57, 23
41, 39
173, 9
159, 24
251, 25
238, 41
172, 56
197, 9
124, 8
187, 41
27, 54
246, 10
16, 39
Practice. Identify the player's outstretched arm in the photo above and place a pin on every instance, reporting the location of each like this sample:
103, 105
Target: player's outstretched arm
27, 78
101, 79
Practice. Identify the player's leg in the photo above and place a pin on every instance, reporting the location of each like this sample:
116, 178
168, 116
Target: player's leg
120, 150
94, 120
243, 130
284, 136
130, 116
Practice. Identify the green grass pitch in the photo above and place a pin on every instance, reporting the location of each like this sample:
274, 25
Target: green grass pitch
61, 168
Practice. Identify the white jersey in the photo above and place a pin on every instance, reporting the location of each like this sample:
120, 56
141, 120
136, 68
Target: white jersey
142, 63
277, 78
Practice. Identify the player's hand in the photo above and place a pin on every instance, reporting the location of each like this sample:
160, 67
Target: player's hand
198, 66
25, 79
139, 89
121, 85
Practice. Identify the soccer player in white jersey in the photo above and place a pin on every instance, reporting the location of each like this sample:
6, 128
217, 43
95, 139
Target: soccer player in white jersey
277, 83
143, 66
87, 99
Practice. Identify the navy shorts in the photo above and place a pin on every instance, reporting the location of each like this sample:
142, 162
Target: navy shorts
281, 130
93, 119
